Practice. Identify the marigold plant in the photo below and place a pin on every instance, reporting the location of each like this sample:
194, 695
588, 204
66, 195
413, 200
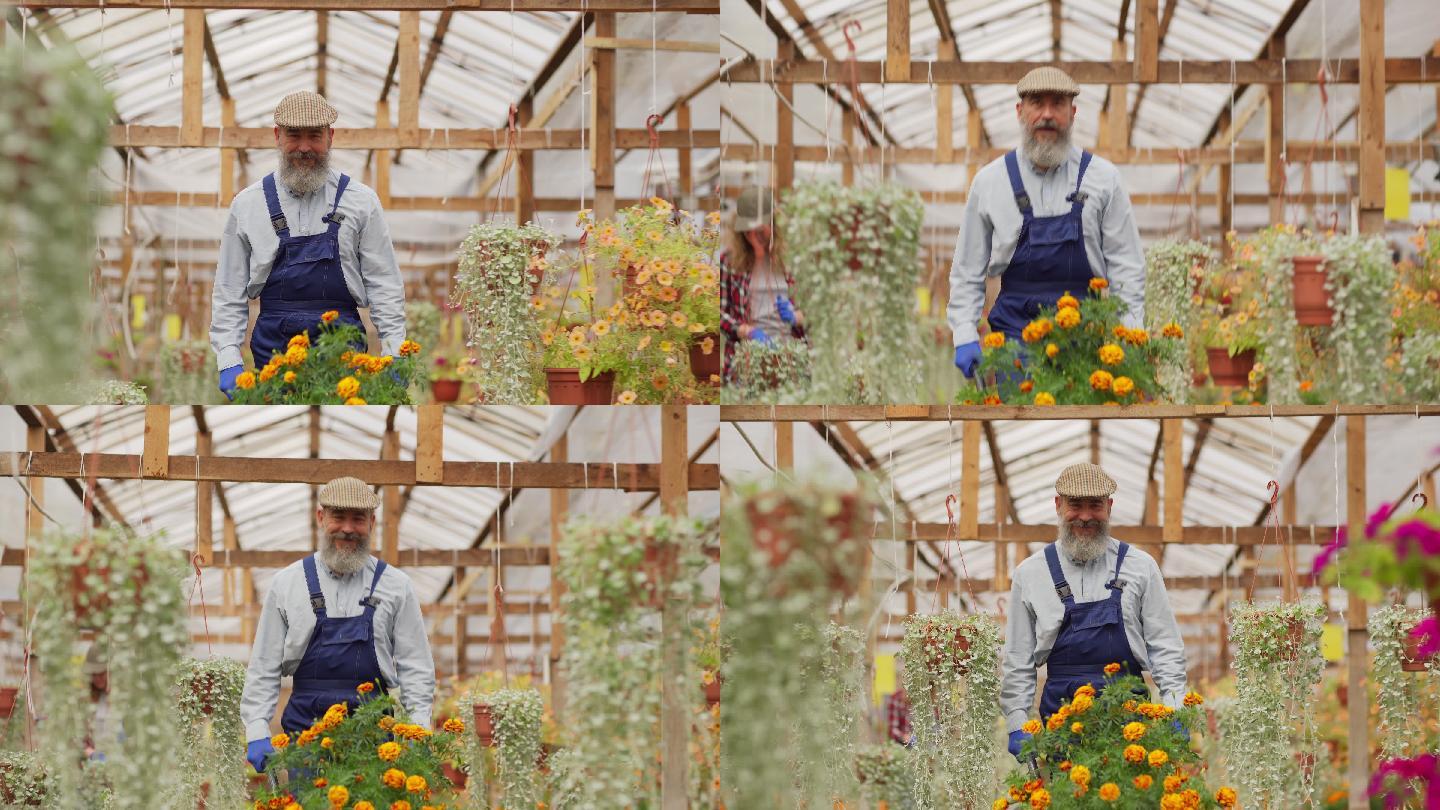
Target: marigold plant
330, 371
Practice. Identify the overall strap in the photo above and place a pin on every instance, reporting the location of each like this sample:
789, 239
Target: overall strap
1117, 584
371, 600
312, 580
333, 217
272, 202
1077, 197
1022, 199
1062, 588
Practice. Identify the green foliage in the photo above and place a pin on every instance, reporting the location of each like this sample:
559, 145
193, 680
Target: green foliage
517, 716
1400, 730
1360, 280
887, 774
188, 374
1173, 270
1420, 367
769, 373
855, 255
1371, 565
331, 372
207, 699
422, 323
54, 113
127, 588
955, 705
22, 779
112, 392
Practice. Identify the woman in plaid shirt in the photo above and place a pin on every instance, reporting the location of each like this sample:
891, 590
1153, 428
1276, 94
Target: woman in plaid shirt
755, 301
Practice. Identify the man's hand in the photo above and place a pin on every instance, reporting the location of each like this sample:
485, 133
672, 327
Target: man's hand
1017, 738
256, 753
227, 379
967, 358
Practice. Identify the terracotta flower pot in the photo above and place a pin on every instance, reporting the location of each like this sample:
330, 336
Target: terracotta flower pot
943, 643
97, 603
703, 365
1312, 302
659, 566
485, 724
1410, 659
457, 777
772, 534
8, 696
1227, 370
445, 390
566, 388
204, 690
712, 690
1294, 639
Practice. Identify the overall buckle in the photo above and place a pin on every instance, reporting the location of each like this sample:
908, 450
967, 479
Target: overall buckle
1063, 590
317, 603
371, 601
278, 223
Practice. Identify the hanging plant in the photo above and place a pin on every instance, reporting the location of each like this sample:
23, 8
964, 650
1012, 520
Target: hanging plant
1420, 367
792, 552
768, 373
497, 284
1362, 277
855, 254
612, 656
211, 761
55, 113
1271, 725
888, 777
952, 675
1269, 254
839, 675
112, 392
1400, 726
127, 588
1174, 271
516, 716
187, 373
22, 779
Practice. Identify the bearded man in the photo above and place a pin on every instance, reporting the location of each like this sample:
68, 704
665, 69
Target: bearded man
335, 620
1045, 219
305, 240
1085, 602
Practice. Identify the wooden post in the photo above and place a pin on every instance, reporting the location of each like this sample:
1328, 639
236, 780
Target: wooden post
34, 520
897, 40
430, 443
204, 517
322, 44
1147, 41
1118, 113
784, 127
382, 156
156, 460
390, 499
970, 480
1275, 139
462, 626
945, 114
784, 445
192, 111
674, 710
974, 141
525, 171
1095, 441
1173, 434
911, 549
227, 156
1287, 548
1002, 550
687, 172
1356, 658
559, 505
1371, 121
409, 68
602, 154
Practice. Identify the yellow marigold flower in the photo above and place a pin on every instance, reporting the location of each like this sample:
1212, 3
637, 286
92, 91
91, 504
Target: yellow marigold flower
1135, 753
365, 688
347, 387
1225, 797
1123, 386
1051, 350
327, 743
1081, 703
330, 316
454, 725
400, 805
1129, 705
1143, 781
393, 778
1067, 300
1100, 380
387, 723
1030, 334
339, 796
1172, 330
364, 805
999, 804
1133, 731
1193, 699
302, 339
1110, 354
1067, 318
1040, 799
1044, 398
307, 736
1086, 689
1139, 337
1173, 782
1055, 722
296, 355
1080, 775
409, 347
268, 373
626, 398
280, 741
994, 340
1098, 283
1112, 668
1158, 757
289, 377
1109, 791
415, 784
388, 751
1031, 727
1077, 727
245, 380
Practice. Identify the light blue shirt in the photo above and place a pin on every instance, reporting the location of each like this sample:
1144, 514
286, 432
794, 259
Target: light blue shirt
247, 250
287, 621
1035, 612
991, 228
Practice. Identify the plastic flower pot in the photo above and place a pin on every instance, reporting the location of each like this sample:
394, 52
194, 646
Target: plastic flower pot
445, 390
457, 777
8, 696
1227, 370
485, 724
1312, 301
712, 689
566, 387
703, 365
1410, 659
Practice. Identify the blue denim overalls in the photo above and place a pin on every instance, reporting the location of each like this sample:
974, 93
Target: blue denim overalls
1092, 634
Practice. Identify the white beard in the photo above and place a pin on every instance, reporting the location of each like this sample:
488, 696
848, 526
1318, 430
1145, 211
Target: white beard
345, 563
300, 177
1047, 155
1084, 549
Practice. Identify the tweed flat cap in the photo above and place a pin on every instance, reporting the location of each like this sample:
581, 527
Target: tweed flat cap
752, 209
1084, 481
1047, 79
348, 493
304, 109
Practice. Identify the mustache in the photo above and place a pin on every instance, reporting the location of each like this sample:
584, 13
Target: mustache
1051, 125
1087, 524
354, 537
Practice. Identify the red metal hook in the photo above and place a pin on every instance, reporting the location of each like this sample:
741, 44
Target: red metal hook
514, 125
1274, 487
949, 499
850, 43
651, 122
1320, 77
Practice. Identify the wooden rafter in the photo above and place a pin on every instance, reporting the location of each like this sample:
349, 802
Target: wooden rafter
941, 14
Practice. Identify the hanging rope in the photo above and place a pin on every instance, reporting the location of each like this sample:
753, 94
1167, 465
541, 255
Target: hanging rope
196, 560
653, 121
1272, 520
954, 526
508, 160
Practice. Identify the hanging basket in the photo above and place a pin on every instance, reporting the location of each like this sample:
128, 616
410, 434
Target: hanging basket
485, 724
445, 390
713, 689
566, 388
457, 777
943, 643
1312, 301
203, 688
8, 696
1410, 659
1228, 370
88, 604
659, 566
7, 788
773, 535
1291, 641
705, 366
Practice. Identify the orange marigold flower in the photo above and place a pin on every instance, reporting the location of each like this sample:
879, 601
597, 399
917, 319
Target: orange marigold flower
339, 796
994, 340
1193, 699
1109, 791
1112, 668
1067, 300
1086, 689
400, 805
321, 782
280, 741
408, 348
1225, 797
1080, 775
454, 725
387, 723
388, 751
1110, 354
365, 688
289, 377
415, 784
1051, 350
1100, 380
1143, 781
1158, 757
1172, 330
347, 387
1077, 727
1026, 386
1135, 754
1067, 317
245, 380
393, 778
993, 399
1123, 386
1044, 398
1173, 782
1031, 727
330, 316
1040, 799
364, 805
1133, 731
1055, 722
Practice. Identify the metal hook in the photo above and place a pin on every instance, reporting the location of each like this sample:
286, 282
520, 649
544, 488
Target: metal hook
1274, 488
850, 43
1423, 498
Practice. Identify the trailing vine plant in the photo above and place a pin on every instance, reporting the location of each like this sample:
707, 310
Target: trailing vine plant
887, 775
1360, 277
517, 714
1172, 268
1400, 731
839, 674
211, 761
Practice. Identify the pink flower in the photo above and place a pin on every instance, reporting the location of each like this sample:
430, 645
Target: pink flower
1417, 533
1428, 631
1406, 773
1377, 518
1327, 554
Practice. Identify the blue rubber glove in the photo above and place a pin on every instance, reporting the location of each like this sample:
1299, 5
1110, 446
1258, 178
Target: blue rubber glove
967, 358
1180, 729
256, 752
786, 309
1017, 738
758, 335
227, 379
